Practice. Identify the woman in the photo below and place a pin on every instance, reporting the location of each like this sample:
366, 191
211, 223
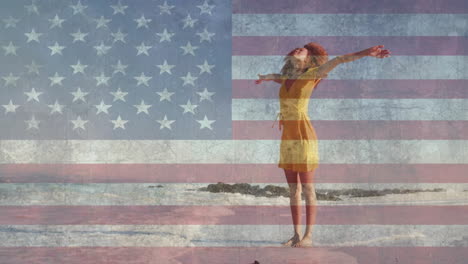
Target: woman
304, 68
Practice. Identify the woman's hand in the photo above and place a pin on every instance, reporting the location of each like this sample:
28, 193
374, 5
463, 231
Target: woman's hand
261, 78
377, 52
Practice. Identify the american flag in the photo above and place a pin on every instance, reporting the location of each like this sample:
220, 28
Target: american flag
114, 111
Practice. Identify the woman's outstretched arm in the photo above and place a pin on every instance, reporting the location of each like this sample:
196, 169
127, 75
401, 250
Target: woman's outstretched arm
375, 51
269, 77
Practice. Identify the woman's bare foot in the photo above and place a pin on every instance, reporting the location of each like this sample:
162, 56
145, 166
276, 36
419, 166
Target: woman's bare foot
306, 241
295, 239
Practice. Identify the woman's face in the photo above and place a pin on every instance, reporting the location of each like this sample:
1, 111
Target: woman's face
300, 54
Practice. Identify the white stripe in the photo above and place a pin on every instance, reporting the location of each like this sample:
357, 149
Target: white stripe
357, 109
175, 194
227, 151
238, 235
349, 25
395, 67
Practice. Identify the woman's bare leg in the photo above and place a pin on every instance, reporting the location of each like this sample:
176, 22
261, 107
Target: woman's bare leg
295, 203
311, 206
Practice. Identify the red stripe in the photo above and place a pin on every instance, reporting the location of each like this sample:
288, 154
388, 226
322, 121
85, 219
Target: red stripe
338, 45
365, 89
234, 255
349, 6
232, 215
361, 129
234, 173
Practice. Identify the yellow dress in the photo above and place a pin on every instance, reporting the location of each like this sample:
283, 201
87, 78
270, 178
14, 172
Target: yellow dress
299, 144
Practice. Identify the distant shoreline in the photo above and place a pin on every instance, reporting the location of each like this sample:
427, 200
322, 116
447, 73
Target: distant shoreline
322, 194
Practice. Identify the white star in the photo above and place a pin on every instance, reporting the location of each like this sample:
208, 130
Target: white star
142, 79
78, 67
189, 107
205, 8
119, 67
119, 36
165, 67
142, 22
205, 35
56, 79
142, 49
119, 123
205, 95
119, 95
33, 36
189, 49
33, 68
188, 79
78, 8
142, 107
79, 95
33, 123
56, 22
10, 79
165, 95
10, 22
10, 107
32, 8
78, 36
205, 67
102, 22
56, 108
189, 21
56, 49
33, 95
165, 36
101, 79
119, 8
165, 8
102, 108
102, 49
165, 123
10, 49
79, 123
206, 123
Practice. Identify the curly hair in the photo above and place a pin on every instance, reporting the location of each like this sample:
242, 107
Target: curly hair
318, 56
